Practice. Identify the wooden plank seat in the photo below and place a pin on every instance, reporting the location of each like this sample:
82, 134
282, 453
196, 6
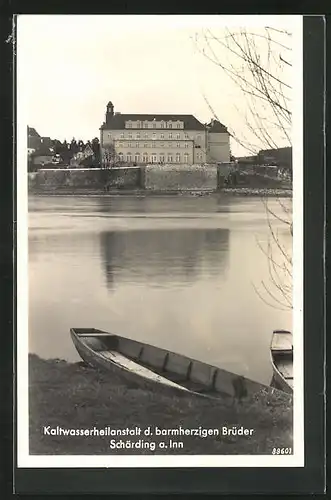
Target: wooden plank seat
136, 368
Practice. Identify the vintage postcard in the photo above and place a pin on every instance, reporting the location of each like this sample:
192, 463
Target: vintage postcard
160, 243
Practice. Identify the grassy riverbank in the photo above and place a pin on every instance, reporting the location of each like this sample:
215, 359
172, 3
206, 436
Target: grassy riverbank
74, 396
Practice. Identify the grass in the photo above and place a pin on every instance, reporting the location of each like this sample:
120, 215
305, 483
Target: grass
76, 396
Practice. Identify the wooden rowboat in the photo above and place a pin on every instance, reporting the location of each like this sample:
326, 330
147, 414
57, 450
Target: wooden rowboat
281, 350
146, 365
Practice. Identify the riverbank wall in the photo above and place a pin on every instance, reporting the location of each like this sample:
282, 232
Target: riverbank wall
180, 178
147, 179
89, 179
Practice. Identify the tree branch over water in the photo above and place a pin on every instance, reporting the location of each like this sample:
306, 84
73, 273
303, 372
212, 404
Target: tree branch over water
259, 64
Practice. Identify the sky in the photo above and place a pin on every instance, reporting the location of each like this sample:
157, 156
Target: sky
69, 67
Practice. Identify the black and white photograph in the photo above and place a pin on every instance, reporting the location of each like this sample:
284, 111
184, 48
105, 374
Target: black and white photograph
160, 241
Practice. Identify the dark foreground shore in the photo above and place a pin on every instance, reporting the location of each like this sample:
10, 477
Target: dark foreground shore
78, 410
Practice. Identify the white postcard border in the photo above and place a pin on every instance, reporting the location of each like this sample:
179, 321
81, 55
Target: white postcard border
112, 461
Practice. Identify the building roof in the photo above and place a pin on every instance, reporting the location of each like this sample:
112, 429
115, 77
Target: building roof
277, 151
88, 150
279, 154
44, 151
117, 121
216, 127
32, 132
246, 159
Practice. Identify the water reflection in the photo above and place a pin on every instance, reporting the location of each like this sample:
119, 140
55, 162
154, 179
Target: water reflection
173, 272
164, 258
163, 205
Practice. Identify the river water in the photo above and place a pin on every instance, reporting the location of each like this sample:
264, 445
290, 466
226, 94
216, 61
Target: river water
177, 272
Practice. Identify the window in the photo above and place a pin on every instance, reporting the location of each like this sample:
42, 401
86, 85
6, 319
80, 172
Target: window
121, 144
129, 158
177, 157
169, 125
178, 136
154, 125
153, 144
138, 135
122, 135
145, 157
161, 144
146, 145
162, 158
153, 159
178, 125
170, 158
146, 135
162, 136
154, 135
139, 124
129, 144
137, 157
130, 135
186, 144
170, 135
137, 144
198, 138
162, 124
186, 157
186, 136
109, 136
120, 156
178, 144
146, 124
170, 144
129, 125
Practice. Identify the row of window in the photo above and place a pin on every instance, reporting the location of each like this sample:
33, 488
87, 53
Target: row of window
145, 158
153, 124
154, 137
153, 145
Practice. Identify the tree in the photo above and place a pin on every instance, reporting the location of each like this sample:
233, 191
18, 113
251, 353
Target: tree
95, 145
74, 147
31, 165
109, 156
57, 146
258, 63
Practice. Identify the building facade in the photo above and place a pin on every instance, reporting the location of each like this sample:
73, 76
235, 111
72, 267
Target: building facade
79, 157
146, 138
281, 157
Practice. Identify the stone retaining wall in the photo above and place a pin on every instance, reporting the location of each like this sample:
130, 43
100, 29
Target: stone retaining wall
180, 178
48, 180
151, 178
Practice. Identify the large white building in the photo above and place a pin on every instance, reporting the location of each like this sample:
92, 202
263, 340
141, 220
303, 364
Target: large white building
158, 138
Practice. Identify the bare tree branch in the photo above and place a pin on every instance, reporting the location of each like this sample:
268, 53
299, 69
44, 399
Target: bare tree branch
257, 63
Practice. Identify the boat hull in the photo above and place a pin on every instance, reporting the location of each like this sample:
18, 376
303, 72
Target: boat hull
281, 354
99, 362
144, 365
279, 382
